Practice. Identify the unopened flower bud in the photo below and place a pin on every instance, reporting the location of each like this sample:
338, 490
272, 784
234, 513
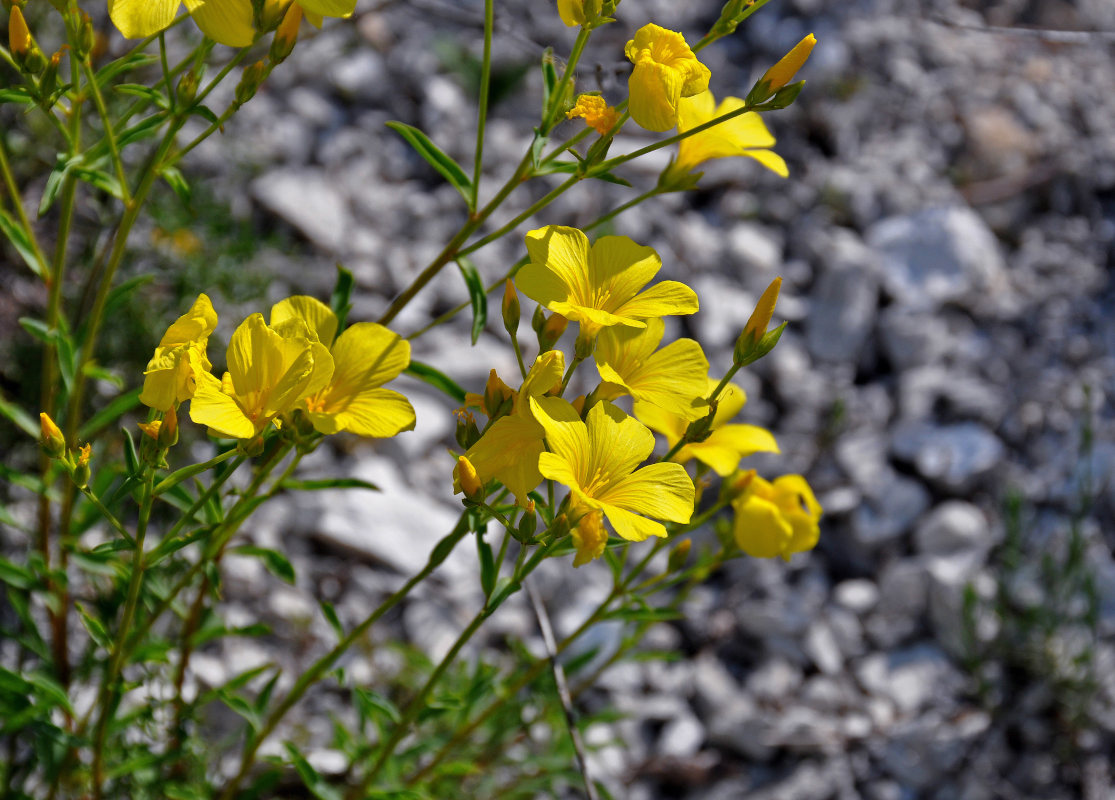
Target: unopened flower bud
470, 481
538, 320
584, 346
510, 308
286, 34
49, 80
467, 434
250, 82
168, 431
251, 447
551, 331
52, 440
86, 35
187, 87
22, 45
80, 474
750, 344
787, 67
679, 555
578, 12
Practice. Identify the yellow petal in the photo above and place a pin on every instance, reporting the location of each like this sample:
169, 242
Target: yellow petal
617, 444
509, 452
631, 526
559, 266
566, 435
742, 135
617, 269
329, 8
672, 378
229, 22
376, 413
366, 355
663, 299
725, 446
220, 412
319, 318
662, 491
589, 537
195, 324
657, 419
136, 19
760, 529
654, 91
545, 375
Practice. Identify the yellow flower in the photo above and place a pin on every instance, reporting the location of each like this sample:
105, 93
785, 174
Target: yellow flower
52, 440
597, 460
577, 12
364, 357
671, 378
230, 22
781, 73
777, 519
744, 135
171, 375
268, 374
589, 537
598, 286
509, 450
726, 444
596, 112
666, 70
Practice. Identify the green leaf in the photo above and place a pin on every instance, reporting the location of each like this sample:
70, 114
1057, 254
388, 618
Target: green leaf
437, 379
445, 166
95, 627
17, 576
101, 179
549, 79
62, 167
477, 296
372, 704
340, 301
107, 73
644, 614
488, 571
20, 418
317, 785
99, 373
177, 181
118, 407
277, 564
50, 690
17, 95
328, 483
331, 617
15, 234
146, 92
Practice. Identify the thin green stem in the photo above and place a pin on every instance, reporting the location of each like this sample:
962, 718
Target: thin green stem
519, 355
534, 208
109, 516
202, 499
315, 672
108, 692
557, 97
482, 113
110, 134
167, 82
576, 362
21, 214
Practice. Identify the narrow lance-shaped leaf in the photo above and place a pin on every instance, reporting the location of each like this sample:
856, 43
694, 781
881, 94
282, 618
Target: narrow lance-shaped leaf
433, 155
437, 379
478, 298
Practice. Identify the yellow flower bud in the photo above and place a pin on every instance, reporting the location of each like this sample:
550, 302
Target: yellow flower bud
470, 482
747, 349
680, 555
150, 429
250, 82
551, 331
780, 74
286, 34
52, 441
168, 431
19, 36
511, 311
578, 12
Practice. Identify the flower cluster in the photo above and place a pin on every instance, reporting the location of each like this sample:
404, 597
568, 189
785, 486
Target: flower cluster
293, 369
593, 447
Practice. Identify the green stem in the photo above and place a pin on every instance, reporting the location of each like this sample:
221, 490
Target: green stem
109, 516
519, 355
21, 215
110, 134
326, 662
107, 694
482, 113
557, 97
535, 207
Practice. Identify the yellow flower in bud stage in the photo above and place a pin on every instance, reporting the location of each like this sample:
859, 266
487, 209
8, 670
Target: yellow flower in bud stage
509, 450
364, 357
470, 481
673, 378
777, 519
726, 444
171, 375
230, 22
744, 135
589, 537
666, 70
577, 12
787, 67
19, 35
596, 112
598, 286
598, 460
52, 440
268, 374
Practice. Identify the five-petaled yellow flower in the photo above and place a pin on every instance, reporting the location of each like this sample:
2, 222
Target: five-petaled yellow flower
598, 460
172, 373
666, 70
743, 135
509, 450
673, 378
598, 286
268, 374
229, 22
726, 444
365, 357
776, 519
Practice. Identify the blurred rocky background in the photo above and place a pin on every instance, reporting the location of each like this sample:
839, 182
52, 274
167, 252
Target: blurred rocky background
947, 239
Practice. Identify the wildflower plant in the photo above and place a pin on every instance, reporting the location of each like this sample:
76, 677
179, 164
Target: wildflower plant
113, 580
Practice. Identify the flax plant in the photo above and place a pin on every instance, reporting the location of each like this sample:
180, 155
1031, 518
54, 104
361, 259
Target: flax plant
115, 585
